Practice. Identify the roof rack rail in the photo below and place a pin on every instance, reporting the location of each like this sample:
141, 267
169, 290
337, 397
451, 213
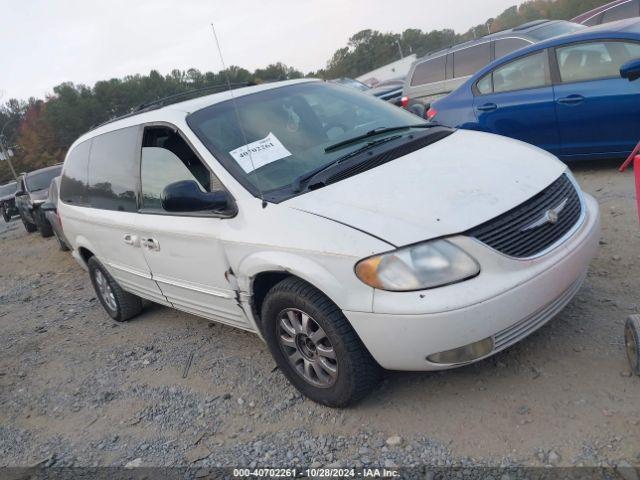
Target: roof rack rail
518, 28
171, 99
533, 23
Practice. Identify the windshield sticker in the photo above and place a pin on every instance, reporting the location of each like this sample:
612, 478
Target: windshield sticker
259, 153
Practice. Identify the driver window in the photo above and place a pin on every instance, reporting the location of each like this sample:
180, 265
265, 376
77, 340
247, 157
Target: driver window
167, 158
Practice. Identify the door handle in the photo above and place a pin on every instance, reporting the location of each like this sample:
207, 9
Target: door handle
150, 244
131, 240
571, 100
488, 107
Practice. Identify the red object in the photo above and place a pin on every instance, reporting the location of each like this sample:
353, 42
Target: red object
431, 113
405, 102
635, 158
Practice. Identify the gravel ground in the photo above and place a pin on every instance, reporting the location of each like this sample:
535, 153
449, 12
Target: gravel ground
77, 389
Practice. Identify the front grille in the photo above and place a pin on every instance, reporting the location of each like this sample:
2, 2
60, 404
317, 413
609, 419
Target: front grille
526, 230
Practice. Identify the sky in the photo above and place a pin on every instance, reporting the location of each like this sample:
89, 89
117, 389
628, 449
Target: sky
46, 42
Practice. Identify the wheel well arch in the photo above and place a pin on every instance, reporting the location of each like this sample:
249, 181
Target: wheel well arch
261, 283
264, 281
85, 254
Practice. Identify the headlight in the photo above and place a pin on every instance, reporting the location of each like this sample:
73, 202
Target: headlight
418, 267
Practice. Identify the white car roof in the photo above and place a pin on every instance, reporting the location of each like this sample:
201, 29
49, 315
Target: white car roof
179, 110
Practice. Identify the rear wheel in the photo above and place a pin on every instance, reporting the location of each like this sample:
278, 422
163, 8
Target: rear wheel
120, 305
632, 342
5, 214
28, 226
314, 345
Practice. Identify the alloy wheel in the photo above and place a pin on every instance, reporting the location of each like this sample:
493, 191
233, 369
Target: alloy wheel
307, 347
105, 292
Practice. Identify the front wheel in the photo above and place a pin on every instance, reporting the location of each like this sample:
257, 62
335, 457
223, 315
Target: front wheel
43, 224
120, 305
632, 342
5, 214
314, 345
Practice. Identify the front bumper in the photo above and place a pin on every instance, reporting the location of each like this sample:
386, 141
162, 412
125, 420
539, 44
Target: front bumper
507, 302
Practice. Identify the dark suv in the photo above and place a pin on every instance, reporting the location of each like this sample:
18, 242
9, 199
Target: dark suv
8, 201
33, 189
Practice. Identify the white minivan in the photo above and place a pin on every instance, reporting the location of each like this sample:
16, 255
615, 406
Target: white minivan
347, 233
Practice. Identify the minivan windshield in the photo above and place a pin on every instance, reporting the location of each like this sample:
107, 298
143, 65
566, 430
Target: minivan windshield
8, 189
41, 180
554, 29
269, 139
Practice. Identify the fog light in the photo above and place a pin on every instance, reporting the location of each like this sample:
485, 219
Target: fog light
463, 354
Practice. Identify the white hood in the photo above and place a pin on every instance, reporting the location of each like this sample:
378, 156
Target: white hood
445, 188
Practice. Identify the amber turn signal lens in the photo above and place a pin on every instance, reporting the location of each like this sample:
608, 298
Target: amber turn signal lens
367, 271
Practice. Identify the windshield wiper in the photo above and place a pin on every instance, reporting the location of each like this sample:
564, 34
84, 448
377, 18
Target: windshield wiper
374, 132
307, 177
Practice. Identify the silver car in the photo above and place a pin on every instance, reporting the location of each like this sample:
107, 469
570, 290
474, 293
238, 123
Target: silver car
439, 73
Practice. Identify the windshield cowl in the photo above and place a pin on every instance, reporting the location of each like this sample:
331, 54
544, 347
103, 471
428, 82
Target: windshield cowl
382, 153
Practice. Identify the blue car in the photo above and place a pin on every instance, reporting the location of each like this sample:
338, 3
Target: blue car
565, 95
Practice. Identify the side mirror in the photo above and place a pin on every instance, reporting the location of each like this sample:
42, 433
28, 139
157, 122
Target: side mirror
631, 70
48, 207
186, 196
20, 193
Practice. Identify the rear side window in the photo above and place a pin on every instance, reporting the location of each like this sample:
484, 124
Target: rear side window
469, 60
620, 12
73, 184
430, 71
113, 170
594, 60
485, 85
508, 45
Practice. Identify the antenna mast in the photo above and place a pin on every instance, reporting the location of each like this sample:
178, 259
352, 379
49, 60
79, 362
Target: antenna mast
235, 108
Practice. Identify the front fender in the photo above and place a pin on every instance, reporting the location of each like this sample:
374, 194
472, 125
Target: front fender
331, 274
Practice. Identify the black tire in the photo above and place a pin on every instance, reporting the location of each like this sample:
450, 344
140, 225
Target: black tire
28, 226
5, 214
61, 243
632, 342
124, 304
357, 372
43, 224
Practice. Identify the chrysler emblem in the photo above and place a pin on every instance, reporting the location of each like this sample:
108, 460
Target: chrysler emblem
550, 216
